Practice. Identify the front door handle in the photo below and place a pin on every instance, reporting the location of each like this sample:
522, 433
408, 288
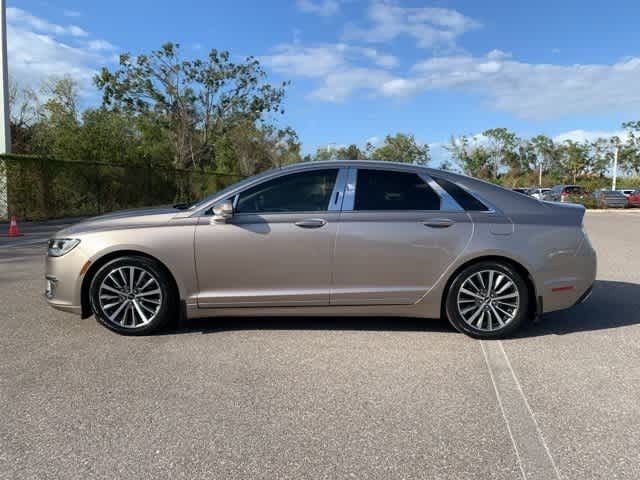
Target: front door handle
439, 223
311, 223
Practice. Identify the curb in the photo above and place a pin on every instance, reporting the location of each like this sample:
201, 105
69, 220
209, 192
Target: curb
629, 211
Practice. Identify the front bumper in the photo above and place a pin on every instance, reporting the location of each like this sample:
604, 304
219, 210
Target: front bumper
63, 281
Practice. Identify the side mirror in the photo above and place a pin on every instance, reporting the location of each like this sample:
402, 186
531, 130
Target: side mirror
222, 211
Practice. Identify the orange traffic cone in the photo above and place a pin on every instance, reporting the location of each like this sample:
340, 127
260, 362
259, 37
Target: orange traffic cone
13, 227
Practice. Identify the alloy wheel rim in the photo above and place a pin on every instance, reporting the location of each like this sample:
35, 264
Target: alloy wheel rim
488, 300
130, 297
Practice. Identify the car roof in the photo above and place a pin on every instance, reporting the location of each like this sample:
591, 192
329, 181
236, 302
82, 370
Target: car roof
353, 163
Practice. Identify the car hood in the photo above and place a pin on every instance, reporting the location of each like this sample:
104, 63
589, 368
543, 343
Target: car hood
138, 218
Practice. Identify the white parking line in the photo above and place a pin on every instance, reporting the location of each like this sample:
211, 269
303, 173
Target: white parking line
533, 417
495, 387
532, 452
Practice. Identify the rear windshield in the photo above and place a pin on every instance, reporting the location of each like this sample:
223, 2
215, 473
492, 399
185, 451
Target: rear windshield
464, 198
574, 190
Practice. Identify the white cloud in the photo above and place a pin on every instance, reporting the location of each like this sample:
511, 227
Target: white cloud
589, 135
76, 31
428, 26
342, 69
324, 8
98, 45
527, 90
380, 59
532, 90
38, 50
23, 19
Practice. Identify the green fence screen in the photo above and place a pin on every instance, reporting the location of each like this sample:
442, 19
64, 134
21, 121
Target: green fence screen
41, 188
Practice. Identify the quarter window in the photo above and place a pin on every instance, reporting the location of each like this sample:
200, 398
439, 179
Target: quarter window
464, 199
298, 192
389, 190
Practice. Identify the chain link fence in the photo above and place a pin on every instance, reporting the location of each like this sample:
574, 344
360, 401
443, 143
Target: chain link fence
40, 188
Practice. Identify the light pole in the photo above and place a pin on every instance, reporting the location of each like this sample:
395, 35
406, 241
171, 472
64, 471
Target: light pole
540, 176
5, 128
615, 166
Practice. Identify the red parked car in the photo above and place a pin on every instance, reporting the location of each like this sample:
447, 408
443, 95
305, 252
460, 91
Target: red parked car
634, 199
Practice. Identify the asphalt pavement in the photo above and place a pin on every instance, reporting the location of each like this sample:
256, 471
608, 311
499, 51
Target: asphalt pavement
261, 398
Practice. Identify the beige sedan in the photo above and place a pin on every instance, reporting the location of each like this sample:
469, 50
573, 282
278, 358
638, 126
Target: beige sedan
330, 238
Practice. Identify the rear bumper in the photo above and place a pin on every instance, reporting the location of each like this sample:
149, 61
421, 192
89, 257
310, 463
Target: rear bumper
585, 296
571, 280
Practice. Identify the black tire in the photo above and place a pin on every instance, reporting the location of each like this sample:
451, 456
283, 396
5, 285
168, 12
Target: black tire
519, 314
165, 308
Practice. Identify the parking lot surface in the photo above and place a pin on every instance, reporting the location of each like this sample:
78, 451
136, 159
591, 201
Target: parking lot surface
324, 398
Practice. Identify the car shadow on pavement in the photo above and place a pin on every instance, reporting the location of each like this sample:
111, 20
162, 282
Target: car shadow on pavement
611, 305
390, 324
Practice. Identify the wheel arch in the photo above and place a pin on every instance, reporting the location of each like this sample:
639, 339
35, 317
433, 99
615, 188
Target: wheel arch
534, 307
97, 264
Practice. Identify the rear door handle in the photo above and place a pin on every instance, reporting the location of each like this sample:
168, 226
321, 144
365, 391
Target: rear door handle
311, 223
439, 223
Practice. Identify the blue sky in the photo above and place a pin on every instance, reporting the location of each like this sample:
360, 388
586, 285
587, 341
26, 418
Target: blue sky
363, 68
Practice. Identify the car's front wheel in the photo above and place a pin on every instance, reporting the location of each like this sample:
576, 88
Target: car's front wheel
488, 300
132, 295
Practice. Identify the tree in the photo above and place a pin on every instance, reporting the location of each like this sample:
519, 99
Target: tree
195, 102
630, 153
402, 148
58, 127
502, 146
351, 152
109, 136
248, 149
325, 153
25, 109
472, 157
545, 152
574, 159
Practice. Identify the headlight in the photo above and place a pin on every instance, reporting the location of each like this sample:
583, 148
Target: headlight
61, 246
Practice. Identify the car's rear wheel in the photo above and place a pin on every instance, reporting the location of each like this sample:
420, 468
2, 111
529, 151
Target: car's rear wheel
488, 300
132, 295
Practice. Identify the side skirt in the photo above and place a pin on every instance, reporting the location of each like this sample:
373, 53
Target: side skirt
415, 311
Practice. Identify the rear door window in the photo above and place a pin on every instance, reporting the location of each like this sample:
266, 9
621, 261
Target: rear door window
386, 190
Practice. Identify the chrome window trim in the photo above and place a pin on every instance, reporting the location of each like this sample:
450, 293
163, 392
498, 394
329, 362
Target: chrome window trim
447, 202
337, 195
350, 190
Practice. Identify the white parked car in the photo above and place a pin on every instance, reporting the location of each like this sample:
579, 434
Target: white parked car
539, 193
